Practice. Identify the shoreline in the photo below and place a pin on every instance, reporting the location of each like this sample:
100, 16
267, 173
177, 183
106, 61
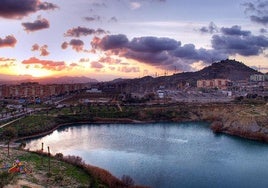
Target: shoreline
97, 121
242, 120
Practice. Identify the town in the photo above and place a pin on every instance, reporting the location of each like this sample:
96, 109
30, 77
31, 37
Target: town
25, 98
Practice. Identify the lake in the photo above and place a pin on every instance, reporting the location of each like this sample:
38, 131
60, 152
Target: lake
164, 155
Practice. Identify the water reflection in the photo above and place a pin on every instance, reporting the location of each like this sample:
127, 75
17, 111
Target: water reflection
165, 155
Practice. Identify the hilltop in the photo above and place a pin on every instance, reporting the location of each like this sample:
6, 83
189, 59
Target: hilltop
229, 69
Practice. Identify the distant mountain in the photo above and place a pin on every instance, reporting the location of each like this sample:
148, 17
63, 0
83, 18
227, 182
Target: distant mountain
10, 79
118, 80
65, 80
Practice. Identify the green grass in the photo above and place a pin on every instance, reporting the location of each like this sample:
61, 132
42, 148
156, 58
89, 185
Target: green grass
59, 171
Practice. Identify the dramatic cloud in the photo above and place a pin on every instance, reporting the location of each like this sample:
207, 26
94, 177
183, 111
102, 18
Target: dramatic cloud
169, 53
235, 30
161, 52
83, 31
110, 42
153, 44
36, 25
77, 44
212, 28
9, 41
46, 64
16, 9
258, 11
236, 41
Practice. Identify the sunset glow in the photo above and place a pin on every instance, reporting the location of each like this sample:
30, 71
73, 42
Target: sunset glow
105, 40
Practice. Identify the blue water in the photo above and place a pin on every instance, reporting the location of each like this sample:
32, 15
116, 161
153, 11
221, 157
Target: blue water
165, 155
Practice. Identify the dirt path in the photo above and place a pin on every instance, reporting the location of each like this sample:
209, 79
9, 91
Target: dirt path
23, 183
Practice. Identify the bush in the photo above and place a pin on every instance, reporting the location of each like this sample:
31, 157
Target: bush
75, 160
127, 180
59, 155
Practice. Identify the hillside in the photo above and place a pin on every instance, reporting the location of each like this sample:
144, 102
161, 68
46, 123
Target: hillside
229, 69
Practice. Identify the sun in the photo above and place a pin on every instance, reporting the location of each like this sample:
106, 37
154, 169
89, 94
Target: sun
38, 72
34, 72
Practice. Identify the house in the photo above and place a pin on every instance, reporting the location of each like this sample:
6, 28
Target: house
257, 78
213, 83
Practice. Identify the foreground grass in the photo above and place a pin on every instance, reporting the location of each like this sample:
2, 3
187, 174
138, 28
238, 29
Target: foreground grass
57, 171
61, 174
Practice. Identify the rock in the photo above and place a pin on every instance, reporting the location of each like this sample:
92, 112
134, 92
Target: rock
216, 126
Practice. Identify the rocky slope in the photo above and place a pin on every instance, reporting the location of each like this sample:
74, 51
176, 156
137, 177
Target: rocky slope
247, 121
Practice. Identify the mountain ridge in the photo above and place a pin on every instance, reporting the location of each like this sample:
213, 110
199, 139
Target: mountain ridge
48, 80
227, 69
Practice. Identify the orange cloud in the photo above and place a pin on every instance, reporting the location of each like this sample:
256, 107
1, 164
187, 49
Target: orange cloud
6, 62
6, 59
46, 64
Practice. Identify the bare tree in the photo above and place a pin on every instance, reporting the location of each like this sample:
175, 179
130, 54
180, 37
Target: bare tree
9, 134
127, 180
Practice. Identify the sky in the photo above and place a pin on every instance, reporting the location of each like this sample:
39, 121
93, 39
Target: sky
108, 39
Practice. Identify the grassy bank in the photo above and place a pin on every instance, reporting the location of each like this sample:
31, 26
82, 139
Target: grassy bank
47, 120
44, 170
60, 174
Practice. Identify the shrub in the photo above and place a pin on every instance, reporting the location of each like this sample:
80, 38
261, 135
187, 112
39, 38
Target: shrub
127, 180
75, 160
59, 155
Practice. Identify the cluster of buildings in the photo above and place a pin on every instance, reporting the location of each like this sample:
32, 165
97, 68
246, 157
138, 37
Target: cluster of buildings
36, 90
257, 83
214, 83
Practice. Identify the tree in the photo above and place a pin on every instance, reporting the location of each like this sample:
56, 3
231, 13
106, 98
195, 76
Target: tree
9, 134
